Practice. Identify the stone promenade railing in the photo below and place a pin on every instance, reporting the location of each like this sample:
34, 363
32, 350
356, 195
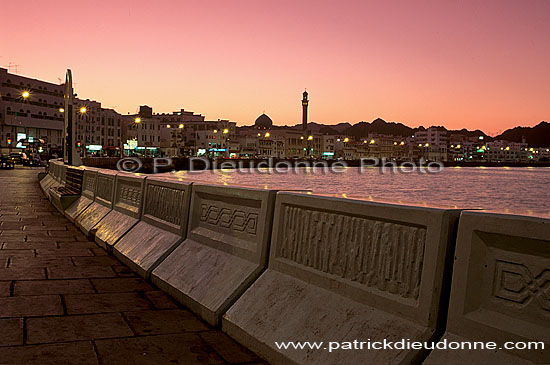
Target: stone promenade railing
272, 266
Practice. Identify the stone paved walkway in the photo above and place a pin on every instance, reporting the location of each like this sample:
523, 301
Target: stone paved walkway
64, 300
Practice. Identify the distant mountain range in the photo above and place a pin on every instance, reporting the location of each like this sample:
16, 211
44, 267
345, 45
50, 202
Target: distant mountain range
537, 136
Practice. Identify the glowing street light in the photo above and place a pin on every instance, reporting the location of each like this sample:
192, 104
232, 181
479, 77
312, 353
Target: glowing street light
225, 131
25, 94
61, 110
215, 131
267, 134
372, 141
180, 126
168, 126
137, 120
346, 139
83, 110
310, 138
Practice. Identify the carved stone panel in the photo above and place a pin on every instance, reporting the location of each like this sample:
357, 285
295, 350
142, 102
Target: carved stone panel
128, 195
165, 203
89, 184
105, 186
383, 255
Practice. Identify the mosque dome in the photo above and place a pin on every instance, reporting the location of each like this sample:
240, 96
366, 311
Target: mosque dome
263, 122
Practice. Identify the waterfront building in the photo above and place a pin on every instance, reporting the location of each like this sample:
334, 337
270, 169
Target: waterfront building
141, 133
30, 109
181, 133
212, 138
271, 146
97, 129
327, 147
177, 130
432, 143
505, 151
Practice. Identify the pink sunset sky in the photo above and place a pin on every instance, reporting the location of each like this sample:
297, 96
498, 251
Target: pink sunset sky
473, 64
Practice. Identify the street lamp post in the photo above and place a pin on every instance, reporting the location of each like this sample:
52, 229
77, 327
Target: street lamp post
69, 145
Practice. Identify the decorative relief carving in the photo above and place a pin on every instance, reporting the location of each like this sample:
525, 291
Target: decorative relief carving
164, 203
105, 187
130, 194
89, 183
232, 218
515, 283
384, 255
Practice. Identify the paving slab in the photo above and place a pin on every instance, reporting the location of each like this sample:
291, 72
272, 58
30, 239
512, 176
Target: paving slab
31, 306
75, 328
22, 273
80, 272
44, 287
187, 348
161, 322
104, 303
120, 285
81, 352
59, 252
37, 262
5, 288
11, 332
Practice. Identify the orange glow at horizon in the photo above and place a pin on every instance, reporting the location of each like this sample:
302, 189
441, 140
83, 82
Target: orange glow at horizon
469, 64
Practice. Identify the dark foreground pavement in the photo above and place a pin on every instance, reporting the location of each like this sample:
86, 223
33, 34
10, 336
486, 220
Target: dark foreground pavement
64, 300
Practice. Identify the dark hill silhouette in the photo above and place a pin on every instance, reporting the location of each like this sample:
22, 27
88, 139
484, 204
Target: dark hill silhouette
537, 136
327, 129
362, 129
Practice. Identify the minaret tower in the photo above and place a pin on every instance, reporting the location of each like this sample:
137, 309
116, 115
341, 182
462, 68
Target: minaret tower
305, 103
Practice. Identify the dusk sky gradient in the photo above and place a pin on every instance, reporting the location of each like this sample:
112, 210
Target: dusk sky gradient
473, 64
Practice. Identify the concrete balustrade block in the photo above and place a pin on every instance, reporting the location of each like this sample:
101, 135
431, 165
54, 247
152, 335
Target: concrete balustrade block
61, 172
46, 182
66, 197
127, 204
50, 178
102, 204
88, 194
500, 289
162, 226
47, 179
56, 167
60, 179
225, 250
345, 270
